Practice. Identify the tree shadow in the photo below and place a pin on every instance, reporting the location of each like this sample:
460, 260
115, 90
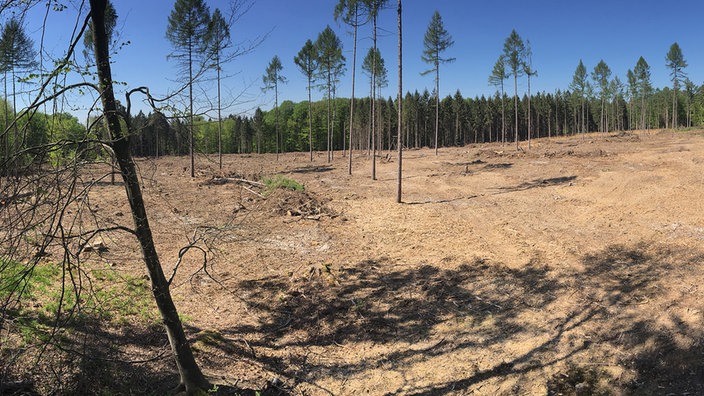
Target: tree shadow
312, 169
632, 308
538, 183
505, 165
439, 200
371, 302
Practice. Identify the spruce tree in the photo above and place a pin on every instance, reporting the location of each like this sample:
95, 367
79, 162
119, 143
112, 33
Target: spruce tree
17, 55
307, 62
187, 30
399, 100
601, 75
514, 55
642, 74
529, 72
271, 80
350, 11
329, 49
436, 41
676, 63
497, 77
579, 87
219, 37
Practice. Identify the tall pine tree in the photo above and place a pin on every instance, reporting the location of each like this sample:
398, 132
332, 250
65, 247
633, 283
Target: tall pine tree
16, 56
271, 80
307, 62
514, 55
676, 63
497, 78
436, 41
188, 31
329, 48
219, 37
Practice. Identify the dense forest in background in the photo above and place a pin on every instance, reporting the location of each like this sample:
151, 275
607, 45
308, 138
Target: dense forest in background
462, 121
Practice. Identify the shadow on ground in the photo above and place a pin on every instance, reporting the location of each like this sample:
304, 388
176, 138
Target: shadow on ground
539, 183
612, 300
625, 310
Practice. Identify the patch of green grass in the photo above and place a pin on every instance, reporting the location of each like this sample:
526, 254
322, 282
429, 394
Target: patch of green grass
21, 281
280, 181
36, 296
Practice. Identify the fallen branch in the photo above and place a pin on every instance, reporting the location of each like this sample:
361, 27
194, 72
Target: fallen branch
223, 180
252, 191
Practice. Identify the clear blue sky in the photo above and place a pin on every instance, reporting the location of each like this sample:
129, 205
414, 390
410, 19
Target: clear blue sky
561, 33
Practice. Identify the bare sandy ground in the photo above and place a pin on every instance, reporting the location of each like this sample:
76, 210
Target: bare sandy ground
572, 267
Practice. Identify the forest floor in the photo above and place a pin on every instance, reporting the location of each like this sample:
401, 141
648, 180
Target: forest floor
572, 267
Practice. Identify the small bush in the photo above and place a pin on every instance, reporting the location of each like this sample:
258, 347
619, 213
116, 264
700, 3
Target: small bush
279, 181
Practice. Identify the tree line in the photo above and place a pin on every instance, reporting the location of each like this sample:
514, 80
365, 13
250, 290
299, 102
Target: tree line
461, 121
593, 101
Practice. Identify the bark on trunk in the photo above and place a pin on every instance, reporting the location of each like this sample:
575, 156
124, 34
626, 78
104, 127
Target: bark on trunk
192, 379
399, 115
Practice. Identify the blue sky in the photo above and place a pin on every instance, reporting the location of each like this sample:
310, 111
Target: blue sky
561, 33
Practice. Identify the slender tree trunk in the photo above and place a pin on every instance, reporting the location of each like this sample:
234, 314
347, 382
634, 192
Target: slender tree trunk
156, 145
515, 104
332, 128
190, 110
399, 116
373, 114
328, 119
642, 111
5, 137
584, 130
219, 116
354, 64
276, 104
529, 115
503, 116
437, 100
191, 378
674, 101
15, 129
310, 122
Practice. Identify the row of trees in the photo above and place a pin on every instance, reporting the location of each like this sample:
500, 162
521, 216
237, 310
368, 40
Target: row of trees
593, 101
460, 121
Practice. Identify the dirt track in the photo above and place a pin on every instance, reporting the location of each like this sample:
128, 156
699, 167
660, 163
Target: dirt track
571, 267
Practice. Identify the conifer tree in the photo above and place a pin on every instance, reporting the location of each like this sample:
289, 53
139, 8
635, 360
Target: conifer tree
497, 78
350, 11
399, 100
529, 72
514, 56
579, 87
436, 41
601, 75
373, 8
219, 37
676, 63
187, 30
642, 75
307, 62
271, 80
16, 56
373, 65
330, 59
